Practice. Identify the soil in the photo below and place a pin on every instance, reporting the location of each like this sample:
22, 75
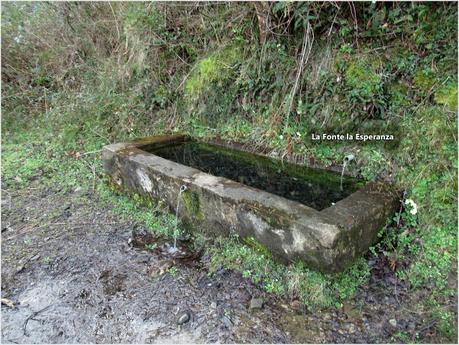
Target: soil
70, 267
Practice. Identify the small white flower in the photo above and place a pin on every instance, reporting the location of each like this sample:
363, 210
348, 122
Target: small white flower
281, 137
412, 205
298, 134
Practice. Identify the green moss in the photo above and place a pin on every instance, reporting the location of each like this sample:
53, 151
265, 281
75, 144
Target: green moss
447, 96
315, 289
192, 204
143, 200
424, 80
216, 66
363, 78
274, 217
399, 94
257, 246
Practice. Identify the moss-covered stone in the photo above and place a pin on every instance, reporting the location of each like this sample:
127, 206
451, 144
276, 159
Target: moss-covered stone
257, 246
287, 229
192, 204
273, 217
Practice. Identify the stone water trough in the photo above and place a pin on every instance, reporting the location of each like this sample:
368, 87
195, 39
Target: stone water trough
295, 212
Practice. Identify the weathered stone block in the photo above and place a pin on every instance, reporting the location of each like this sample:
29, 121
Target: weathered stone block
326, 240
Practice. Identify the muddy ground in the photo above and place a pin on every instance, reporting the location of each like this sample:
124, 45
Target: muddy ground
74, 276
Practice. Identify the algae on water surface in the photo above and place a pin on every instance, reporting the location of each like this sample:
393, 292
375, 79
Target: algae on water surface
316, 188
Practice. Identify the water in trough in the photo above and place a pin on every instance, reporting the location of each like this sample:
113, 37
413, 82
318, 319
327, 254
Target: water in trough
315, 188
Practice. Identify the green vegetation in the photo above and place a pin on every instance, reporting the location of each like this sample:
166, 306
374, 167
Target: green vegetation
213, 69
151, 246
71, 86
315, 289
173, 270
192, 204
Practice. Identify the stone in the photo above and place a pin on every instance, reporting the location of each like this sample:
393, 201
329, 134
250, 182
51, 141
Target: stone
327, 240
351, 328
227, 321
77, 189
296, 305
256, 303
141, 237
183, 318
393, 322
8, 302
7, 228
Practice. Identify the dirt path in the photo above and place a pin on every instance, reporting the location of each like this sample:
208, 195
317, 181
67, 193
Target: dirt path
79, 280
69, 266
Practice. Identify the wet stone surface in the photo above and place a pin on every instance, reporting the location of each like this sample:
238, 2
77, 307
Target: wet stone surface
71, 274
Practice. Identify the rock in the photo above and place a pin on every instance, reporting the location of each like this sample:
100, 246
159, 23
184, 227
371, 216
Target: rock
213, 305
393, 322
159, 268
183, 318
8, 302
296, 305
227, 321
351, 328
7, 228
256, 303
78, 189
141, 236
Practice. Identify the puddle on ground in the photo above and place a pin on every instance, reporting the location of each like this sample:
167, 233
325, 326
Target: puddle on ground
315, 188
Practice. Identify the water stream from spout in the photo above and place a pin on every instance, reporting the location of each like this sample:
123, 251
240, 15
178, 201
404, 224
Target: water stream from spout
182, 189
342, 174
